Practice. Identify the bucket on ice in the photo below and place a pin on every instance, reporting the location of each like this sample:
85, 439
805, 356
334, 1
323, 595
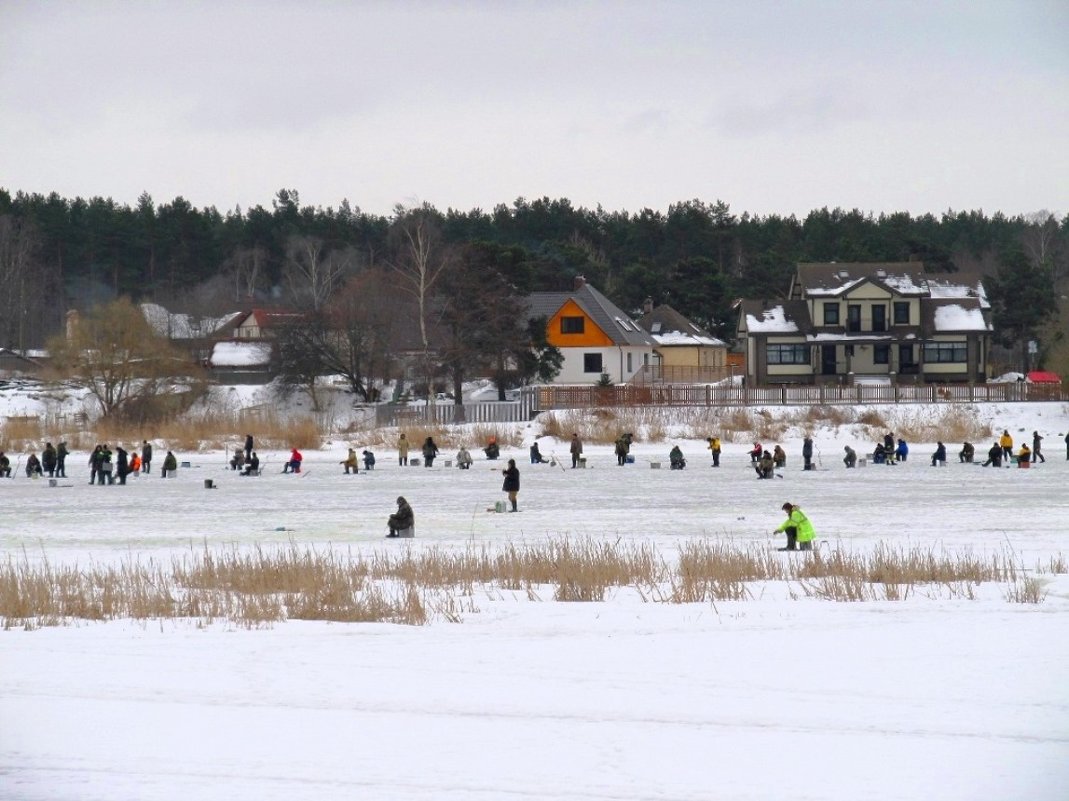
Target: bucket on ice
208, 484
499, 506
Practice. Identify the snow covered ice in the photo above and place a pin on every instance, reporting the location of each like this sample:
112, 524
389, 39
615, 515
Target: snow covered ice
773, 697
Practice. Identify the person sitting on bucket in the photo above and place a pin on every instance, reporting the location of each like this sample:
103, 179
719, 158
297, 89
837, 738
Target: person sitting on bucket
800, 533
1024, 454
350, 462
369, 460
252, 466
675, 458
293, 465
491, 450
940, 455
536, 454
403, 518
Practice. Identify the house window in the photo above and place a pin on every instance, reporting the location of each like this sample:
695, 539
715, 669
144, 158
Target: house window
879, 318
944, 352
572, 325
787, 354
853, 319
901, 312
592, 362
630, 369
881, 354
831, 314
905, 356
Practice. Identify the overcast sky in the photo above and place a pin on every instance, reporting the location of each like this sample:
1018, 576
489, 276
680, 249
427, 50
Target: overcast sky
771, 107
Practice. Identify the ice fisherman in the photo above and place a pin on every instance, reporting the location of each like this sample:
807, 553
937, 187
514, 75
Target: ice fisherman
511, 484
430, 450
576, 449
675, 458
536, 454
807, 454
170, 464
850, 460
402, 450
369, 460
766, 466
351, 463
799, 530
714, 448
463, 458
939, 458
401, 520
293, 465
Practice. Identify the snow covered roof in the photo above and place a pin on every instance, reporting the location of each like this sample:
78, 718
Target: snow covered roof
954, 315
835, 278
771, 320
958, 285
670, 328
240, 354
765, 317
184, 326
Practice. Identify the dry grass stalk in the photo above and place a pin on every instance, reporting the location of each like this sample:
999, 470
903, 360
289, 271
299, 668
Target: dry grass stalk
263, 586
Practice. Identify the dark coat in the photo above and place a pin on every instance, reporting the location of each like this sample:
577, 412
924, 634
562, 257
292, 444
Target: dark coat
807, 448
512, 480
48, 457
403, 518
169, 462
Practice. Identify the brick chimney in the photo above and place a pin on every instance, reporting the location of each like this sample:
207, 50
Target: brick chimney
578, 283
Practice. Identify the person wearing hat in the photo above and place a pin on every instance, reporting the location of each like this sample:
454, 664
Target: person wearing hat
403, 518
799, 530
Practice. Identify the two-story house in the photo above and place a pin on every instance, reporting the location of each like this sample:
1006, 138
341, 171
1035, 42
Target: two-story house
594, 336
892, 321
687, 353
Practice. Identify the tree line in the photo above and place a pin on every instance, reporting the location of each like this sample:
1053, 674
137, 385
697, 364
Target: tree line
438, 266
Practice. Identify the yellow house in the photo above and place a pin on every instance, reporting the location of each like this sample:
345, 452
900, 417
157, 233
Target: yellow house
687, 353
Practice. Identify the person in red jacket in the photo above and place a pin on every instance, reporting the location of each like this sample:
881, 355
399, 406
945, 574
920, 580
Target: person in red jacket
294, 463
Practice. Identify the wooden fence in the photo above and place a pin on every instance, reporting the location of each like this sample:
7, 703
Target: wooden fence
586, 397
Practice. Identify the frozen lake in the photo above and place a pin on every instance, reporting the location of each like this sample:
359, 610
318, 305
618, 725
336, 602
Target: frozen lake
767, 698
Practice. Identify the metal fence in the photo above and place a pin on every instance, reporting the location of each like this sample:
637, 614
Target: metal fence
449, 413
585, 397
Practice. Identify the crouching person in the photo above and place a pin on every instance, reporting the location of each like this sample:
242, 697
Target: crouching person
850, 460
675, 458
402, 523
765, 466
799, 530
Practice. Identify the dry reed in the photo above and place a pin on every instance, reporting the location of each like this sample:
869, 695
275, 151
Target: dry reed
414, 586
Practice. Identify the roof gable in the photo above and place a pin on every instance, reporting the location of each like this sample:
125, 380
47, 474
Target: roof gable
616, 325
670, 328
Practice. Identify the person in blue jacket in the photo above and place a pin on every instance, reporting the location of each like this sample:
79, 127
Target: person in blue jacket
902, 451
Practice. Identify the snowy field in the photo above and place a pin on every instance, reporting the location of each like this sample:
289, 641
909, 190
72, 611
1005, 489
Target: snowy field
775, 697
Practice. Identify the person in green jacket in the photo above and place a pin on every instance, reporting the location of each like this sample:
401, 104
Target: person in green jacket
800, 533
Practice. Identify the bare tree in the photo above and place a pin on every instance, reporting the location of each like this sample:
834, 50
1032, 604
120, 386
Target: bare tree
119, 359
1042, 243
313, 270
419, 258
246, 267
